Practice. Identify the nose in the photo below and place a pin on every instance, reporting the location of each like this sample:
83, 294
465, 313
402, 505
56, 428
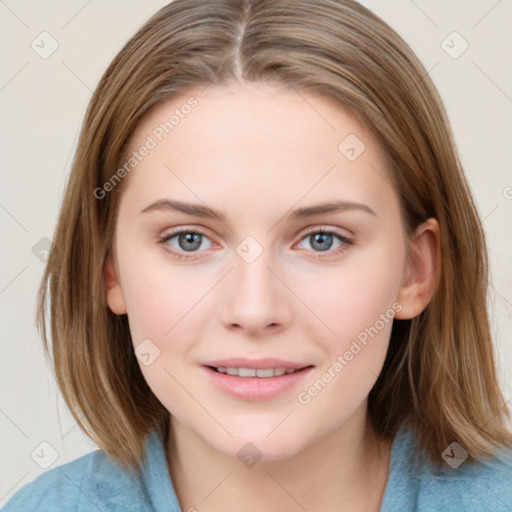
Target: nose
256, 300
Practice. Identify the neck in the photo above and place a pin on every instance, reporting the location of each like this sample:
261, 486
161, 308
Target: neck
350, 467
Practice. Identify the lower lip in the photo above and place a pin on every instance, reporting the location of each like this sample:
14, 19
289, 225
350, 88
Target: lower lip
256, 388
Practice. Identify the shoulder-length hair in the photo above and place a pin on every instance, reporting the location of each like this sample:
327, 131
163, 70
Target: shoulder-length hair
439, 375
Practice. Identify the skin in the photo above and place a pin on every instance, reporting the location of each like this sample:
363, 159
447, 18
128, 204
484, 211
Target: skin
255, 153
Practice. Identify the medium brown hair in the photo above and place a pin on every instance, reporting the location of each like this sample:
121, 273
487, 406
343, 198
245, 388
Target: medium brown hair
439, 375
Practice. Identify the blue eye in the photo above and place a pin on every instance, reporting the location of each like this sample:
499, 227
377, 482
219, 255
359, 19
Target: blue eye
321, 241
189, 242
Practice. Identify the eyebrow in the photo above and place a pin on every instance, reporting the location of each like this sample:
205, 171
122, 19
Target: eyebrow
199, 210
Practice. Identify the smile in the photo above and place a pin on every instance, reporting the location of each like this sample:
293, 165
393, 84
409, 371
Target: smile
255, 372
255, 383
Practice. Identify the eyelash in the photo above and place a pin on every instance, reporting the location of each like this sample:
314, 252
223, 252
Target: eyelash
184, 256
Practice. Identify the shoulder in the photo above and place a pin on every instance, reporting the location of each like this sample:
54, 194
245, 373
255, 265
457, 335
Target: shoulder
472, 487
458, 485
91, 482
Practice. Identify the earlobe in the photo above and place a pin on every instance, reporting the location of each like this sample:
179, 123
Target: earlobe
422, 270
113, 290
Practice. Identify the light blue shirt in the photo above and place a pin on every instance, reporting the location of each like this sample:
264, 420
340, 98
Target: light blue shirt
93, 483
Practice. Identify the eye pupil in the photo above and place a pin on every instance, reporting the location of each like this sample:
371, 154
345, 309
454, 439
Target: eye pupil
189, 238
320, 238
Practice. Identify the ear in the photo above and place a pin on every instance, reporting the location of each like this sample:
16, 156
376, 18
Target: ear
422, 270
114, 292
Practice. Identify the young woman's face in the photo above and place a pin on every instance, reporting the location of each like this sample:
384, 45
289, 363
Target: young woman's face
220, 255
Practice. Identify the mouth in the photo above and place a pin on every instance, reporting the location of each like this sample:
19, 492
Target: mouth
250, 384
260, 373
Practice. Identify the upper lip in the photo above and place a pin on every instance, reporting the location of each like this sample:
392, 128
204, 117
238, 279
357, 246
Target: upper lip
263, 363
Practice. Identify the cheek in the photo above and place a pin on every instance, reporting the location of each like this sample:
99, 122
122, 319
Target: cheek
361, 318
158, 296
163, 306
356, 306
353, 296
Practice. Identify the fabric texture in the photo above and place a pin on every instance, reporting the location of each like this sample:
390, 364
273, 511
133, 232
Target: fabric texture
94, 483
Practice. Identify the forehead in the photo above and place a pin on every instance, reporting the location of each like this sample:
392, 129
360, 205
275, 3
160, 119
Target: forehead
256, 143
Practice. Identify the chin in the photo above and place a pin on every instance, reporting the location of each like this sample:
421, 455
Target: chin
259, 447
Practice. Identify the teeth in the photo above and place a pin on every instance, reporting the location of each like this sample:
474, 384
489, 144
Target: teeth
268, 372
253, 372
247, 372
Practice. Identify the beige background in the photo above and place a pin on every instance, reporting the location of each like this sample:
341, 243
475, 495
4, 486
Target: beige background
42, 103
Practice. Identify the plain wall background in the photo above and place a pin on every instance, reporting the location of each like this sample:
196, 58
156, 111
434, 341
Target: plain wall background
42, 104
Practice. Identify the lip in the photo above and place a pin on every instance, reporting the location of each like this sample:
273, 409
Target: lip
259, 364
256, 388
